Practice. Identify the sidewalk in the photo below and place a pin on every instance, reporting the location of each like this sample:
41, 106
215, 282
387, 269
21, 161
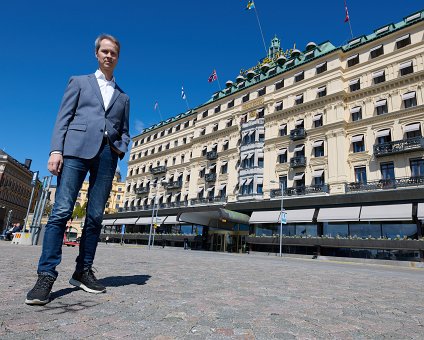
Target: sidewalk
175, 294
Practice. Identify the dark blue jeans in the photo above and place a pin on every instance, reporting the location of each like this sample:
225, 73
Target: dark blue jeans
102, 170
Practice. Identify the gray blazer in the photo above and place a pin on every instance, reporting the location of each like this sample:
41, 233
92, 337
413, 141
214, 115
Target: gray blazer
82, 119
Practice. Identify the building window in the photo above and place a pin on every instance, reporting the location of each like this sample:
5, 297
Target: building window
413, 130
406, 68
379, 77
353, 60
282, 156
262, 92
278, 106
224, 168
215, 128
318, 178
160, 148
360, 174
229, 123
230, 104
182, 158
279, 84
381, 107
321, 68
356, 113
246, 98
261, 137
202, 172
322, 91
417, 167
299, 76
317, 119
175, 143
217, 109
204, 150
318, 148
283, 130
259, 188
384, 136
186, 124
376, 51
184, 140
298, 99
354, 85
202, 132
260, 162
225, 145
409, 100
177, 127
358, 143
403, 41
167, 146
387, 170
205, 114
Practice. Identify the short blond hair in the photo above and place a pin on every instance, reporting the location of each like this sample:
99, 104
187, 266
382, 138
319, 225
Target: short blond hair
108, 37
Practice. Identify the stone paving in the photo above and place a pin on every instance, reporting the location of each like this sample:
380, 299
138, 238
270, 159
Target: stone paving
176, 294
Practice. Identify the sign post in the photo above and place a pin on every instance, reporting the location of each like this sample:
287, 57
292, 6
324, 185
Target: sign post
283, 219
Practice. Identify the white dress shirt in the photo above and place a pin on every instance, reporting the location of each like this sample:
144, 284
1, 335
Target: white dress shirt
106, 87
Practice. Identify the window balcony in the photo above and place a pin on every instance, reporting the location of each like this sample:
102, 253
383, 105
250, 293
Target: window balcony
158, 170
210, 177
399, 146
174, 185
142, 190
211, 155
301, 190
208, 200
298, 162
251, 123
384, 184
298, 133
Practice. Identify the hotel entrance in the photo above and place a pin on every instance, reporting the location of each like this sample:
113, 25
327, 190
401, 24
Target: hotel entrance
228, 241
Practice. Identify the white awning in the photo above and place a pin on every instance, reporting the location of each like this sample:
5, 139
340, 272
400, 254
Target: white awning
278, 104
355, 109
378, 74
299, 216
352, 57
376, 48
243, 156
251, 132
265, 217
420, 212
317, 173
259, 180
121, 221
341, 214
317, 117
354, 81
299, 148
381, 102
408, 95
318, 143
392, 212
298, 177
225, 142
282, 152
244, 134
383, 133
293, 216
220, 187
148, 220
320, 65
248, 181
172, 219
298, 122
357, 138
412, 127
406, 36
224, 162
204, 148
298, 73
321, 89
405, 65
250, 154
168, 195
213, 166
108, 221
202, 168
283, 126
242, 181
199, 190
299, 96
260, 154
210, 189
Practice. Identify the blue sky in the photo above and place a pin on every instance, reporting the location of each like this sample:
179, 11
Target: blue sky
164, 44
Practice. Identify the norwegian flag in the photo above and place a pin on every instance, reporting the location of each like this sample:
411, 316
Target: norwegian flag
347, 13
213, 77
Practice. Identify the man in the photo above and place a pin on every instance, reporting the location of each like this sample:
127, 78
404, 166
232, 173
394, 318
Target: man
90, 133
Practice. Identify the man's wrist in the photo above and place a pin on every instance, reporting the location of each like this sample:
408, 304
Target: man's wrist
55, 153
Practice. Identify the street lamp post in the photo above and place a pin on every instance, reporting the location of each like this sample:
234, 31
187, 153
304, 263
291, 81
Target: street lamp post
281, 216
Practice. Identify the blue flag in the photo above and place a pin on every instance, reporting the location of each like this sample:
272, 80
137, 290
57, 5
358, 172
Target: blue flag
183, 96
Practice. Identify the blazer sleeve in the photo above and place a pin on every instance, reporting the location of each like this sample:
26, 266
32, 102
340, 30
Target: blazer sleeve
66, 112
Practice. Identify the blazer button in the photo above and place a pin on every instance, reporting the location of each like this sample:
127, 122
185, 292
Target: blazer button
101, 130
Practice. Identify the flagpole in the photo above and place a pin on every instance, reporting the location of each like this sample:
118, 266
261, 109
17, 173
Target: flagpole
350, 26
348, 19
160, 114
260, 28
188, 106
219, 84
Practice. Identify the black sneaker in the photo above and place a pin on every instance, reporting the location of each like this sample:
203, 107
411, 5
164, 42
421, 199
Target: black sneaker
87, 281
40, 294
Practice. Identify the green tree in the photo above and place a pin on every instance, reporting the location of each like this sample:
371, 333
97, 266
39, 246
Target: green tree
79, 211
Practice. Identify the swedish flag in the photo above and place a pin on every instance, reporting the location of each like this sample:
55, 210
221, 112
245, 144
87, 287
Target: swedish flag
250, 5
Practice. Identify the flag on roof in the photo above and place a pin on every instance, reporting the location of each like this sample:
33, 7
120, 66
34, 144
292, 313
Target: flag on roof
250, 5
346, 13
156, 106
183, 95
213, 77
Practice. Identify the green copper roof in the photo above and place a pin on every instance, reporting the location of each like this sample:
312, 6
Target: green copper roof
275, 68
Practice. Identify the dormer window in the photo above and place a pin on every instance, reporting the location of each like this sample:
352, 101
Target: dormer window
299, 76
353, 60
403, 41
298, 99
320, 68
376, 51
262, 91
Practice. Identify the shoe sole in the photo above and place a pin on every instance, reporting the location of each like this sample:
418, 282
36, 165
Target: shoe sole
84, 287
37, 302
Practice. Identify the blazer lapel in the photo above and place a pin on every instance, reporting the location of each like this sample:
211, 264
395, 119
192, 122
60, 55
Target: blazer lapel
95, 85
115, 96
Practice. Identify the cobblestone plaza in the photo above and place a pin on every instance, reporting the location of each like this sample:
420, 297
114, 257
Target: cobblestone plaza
169, 293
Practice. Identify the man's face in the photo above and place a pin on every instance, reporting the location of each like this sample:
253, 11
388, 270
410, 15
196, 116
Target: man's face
107, 55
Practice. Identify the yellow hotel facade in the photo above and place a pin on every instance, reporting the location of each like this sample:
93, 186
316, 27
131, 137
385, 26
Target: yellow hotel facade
339, 129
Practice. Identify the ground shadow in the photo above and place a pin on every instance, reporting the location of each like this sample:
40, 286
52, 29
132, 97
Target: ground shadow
118, 281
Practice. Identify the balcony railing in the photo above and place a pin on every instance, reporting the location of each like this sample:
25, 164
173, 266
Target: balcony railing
297, 162
158, 170
383, 184
174, 185
206, 200
210, 177
142, 190
399, 146
211, 155
296, 134
301, 190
